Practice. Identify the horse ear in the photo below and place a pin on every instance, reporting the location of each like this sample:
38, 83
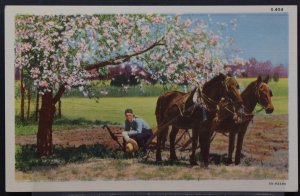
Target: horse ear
259, 80
222, 76
229, 74
266, 80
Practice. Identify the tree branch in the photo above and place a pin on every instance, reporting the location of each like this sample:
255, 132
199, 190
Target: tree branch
58, 95
124, 58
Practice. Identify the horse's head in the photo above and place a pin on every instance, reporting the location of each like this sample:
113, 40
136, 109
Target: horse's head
263, 94
232, 90
223, 86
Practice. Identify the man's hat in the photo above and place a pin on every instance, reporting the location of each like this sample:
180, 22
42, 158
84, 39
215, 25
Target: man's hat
132, 146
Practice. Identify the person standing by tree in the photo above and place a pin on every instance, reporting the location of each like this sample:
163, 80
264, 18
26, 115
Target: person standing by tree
136, 128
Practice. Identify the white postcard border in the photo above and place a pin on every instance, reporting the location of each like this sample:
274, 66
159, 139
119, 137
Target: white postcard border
202, 185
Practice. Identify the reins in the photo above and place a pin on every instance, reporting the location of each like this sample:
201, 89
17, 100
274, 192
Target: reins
258, 102
258, 99
226, 107
260, 109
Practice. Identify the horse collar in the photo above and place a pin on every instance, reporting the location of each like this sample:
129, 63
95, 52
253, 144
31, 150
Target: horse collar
197, 96
226, 83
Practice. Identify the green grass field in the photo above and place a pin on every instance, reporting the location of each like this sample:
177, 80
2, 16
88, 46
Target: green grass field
112, 109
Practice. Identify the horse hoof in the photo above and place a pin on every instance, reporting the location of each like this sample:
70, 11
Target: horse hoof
229, 162
204, 165
158, 160
193, 162
173, 159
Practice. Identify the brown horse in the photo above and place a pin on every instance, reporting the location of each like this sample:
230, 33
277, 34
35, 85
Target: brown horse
257, 92
193, 110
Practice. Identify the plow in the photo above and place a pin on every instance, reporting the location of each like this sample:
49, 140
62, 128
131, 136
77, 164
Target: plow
182, 143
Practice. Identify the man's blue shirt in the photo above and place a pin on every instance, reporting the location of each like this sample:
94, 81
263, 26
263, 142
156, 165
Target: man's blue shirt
137, 124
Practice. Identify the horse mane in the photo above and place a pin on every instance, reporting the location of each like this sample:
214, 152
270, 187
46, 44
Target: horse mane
248, 89
209, 84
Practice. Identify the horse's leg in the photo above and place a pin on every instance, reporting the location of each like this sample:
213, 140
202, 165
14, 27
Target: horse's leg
162, 130
158, 145
195, 132
164, 137
204, 140
231, 145
173, 134
239, 145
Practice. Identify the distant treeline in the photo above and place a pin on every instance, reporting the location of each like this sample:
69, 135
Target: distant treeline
253, 68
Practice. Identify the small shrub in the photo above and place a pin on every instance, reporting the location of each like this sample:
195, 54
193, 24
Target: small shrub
276, 77
247, 162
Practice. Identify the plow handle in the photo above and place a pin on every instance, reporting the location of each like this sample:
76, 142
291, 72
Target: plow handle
112, 135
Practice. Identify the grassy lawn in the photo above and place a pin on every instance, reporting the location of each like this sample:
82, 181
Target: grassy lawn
90, 111
111, 109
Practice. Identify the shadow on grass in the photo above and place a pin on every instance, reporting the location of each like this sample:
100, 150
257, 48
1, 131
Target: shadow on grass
181, 161
62, 121
27, 159
164, 163
80, 121
214, 159
30, 126
218, 159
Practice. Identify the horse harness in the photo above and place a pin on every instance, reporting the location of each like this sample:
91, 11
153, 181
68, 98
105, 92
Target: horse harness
200, 101
249, 116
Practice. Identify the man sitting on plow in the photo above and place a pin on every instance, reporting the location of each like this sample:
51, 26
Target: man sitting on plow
136, 129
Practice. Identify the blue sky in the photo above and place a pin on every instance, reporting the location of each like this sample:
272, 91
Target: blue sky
262, 36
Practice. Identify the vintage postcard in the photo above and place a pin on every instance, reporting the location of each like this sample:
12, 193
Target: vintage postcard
151, 98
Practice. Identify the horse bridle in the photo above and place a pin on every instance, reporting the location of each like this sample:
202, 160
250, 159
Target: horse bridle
227, 97
225, 83
258, 96
233, 112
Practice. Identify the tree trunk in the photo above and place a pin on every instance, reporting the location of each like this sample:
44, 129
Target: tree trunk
29, 99
37, 106
44, 135
59, 108
46, 116
22, 96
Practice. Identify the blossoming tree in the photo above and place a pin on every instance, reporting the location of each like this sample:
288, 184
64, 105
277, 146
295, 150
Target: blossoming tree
58, 52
